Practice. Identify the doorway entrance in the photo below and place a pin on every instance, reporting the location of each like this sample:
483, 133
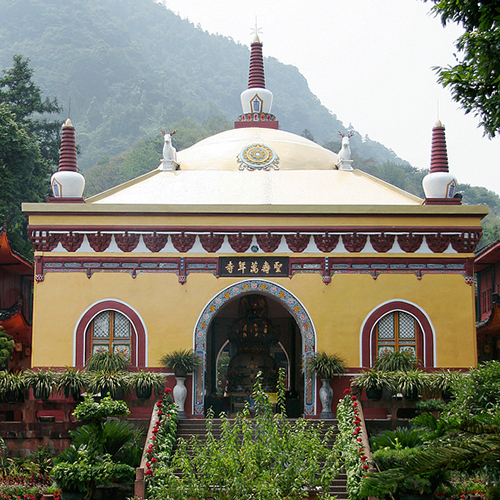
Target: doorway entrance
289, 347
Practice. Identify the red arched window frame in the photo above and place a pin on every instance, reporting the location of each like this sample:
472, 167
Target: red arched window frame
139, 334
425, 333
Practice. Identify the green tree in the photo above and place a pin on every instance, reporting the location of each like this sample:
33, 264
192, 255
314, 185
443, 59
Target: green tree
474, 80
465, 437
6, 345
29, 148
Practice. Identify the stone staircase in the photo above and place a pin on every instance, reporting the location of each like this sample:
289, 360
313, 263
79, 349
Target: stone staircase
196, 427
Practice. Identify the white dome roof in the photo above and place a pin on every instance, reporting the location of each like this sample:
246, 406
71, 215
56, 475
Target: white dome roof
291, 152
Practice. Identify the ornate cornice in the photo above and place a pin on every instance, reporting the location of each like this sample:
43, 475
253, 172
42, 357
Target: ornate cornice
254, 240
327, 267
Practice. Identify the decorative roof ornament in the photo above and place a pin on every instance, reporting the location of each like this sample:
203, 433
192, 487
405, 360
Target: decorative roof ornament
440, 186
258, 157
67, 183
256, 100
169, 160
345, 162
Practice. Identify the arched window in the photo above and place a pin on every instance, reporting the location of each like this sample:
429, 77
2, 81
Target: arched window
397, 325
111, 326
111, 331
397, 331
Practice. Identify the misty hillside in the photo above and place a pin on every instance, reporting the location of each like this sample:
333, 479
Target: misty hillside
123, 69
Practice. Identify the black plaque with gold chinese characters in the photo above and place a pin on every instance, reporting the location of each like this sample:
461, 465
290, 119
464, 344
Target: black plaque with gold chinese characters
253, 266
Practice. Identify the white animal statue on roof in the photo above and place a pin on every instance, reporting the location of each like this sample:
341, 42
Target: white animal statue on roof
169, 160
344, 154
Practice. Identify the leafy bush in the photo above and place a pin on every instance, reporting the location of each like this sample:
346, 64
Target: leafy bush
263, 458
396, 440
6, 345
477, 392
88, 463
431, 405
88, 471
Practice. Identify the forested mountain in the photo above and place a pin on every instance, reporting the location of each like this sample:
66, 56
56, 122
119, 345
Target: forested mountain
124, 69
131, 67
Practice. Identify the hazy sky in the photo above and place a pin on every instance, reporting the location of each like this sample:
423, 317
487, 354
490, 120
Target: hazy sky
370, 63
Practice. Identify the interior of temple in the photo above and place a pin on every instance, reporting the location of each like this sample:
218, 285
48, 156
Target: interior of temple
252, 334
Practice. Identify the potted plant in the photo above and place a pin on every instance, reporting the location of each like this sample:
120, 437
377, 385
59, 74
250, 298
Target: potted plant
106, 361
42, 381
181, 362
410, 383
372, 381
441, 383
144, 383
72, 382
392, 361
12, 386
326, 366
103, 382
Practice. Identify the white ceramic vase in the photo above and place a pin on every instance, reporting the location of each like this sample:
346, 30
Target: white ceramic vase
180, 393
326, 396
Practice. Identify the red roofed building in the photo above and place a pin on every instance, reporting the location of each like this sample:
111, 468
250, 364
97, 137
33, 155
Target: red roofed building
487, 267
16, 286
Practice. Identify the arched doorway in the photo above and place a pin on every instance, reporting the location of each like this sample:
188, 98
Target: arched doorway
284, 307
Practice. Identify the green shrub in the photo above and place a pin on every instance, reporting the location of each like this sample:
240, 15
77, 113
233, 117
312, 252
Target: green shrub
266, 457
396, 440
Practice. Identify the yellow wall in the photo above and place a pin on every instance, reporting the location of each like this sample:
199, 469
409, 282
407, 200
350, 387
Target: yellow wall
170, 310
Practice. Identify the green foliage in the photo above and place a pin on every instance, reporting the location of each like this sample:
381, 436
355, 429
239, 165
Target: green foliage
120, 440
431, 405
99, 448
88, 471
370, 379
12, 385
263, 458
144, 380
162, 443
392, 361
113, 383
465, 439
106, 361
94, 411
326, 365
26, 490
349, 443
72, 381
29, 148
478, 392
474, 79
396, 440
6, 345
42, 381
132, 67
181, 361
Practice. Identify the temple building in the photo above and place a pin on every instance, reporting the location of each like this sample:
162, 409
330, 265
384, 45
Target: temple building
257, 248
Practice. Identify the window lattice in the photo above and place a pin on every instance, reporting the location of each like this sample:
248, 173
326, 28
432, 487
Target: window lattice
111, 332
101, 324
396, 331
406, 326
122, 325
386, 327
